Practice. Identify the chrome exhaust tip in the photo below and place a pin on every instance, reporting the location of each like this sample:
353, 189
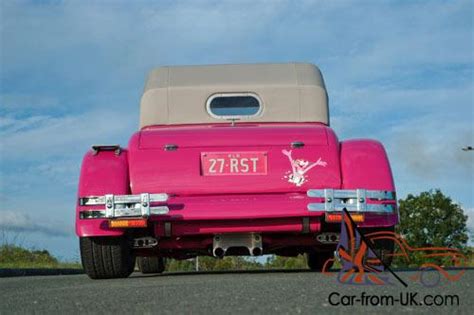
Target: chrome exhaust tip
145, 242
237, 244
256, 251
328, 238
218, 252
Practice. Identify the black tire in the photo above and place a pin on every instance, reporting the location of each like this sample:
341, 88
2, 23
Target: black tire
151, 264
106, 257
316, 260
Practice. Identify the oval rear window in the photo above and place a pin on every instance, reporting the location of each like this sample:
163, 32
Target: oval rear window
234, 106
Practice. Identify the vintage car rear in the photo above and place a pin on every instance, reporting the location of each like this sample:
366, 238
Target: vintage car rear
229, 160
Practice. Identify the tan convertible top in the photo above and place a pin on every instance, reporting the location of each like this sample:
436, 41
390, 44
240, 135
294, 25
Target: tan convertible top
292, 92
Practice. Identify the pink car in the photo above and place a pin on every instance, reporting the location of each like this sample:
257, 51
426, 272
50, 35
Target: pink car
229, 160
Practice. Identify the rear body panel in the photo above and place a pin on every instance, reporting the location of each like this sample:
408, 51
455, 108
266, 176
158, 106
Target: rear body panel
180, 172
103, 173
274, 203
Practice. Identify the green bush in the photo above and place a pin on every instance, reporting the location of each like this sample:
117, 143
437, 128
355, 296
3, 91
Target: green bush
12, 256
213, 264
280, 262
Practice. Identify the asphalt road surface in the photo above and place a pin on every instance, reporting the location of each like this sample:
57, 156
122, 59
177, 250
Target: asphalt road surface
288, 292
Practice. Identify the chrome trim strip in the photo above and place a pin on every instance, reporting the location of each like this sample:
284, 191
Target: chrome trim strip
92, 214
347, 194
121, 199
353, 200
361, 200
145, 205
373, 208
109, 206
329, 197
122, 213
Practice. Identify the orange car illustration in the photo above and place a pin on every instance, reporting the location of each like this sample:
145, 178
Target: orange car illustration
361, 266
430, 272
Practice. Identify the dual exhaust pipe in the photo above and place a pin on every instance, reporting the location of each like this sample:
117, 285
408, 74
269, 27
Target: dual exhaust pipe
219, 252
251, 244
145, 242
328, 238
237, 244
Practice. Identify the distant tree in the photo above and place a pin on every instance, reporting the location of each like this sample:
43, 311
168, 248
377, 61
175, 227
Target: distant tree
432, 219
213, 264
280, 262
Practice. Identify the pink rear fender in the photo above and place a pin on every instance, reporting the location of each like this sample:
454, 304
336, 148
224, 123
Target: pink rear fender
365, 165
103, 173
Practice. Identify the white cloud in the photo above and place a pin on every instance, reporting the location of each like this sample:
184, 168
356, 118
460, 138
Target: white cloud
20, 222
67, 135
430, 147
11, 125
405, 101
22, 102
355, 41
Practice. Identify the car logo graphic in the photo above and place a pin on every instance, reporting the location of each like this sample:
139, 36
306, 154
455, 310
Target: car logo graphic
362, 266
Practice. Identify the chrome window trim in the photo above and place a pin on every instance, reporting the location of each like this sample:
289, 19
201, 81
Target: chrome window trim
234, 117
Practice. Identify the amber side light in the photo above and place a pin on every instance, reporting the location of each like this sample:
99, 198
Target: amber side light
337, 217
135, 223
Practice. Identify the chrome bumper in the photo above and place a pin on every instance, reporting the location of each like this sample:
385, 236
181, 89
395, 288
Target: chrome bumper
123, 206
117, 206
335, 200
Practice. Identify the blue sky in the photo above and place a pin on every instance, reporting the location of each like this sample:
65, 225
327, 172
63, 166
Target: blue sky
72, 73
